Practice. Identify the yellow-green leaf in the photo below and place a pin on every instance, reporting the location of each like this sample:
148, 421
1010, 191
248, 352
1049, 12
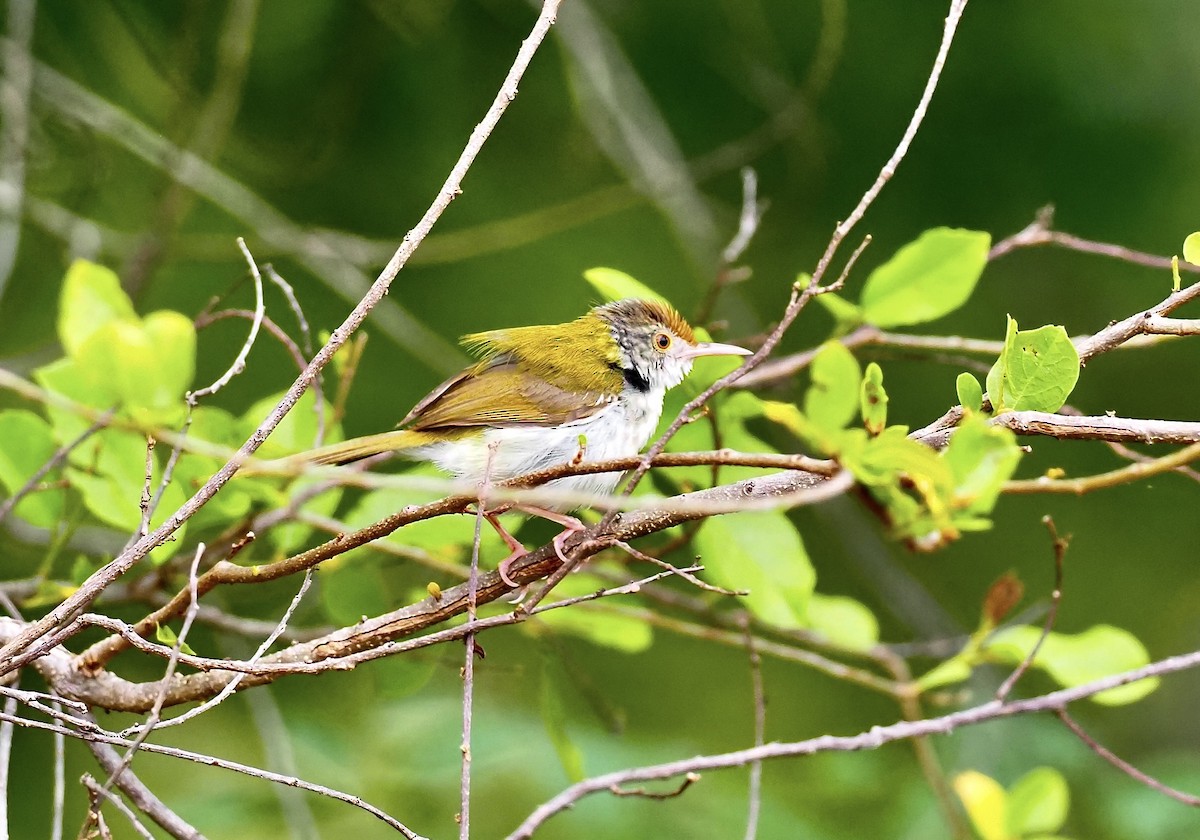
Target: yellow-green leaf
613, 284
970, 394
28, 446
1038, 802
1191, 248
981, 458
91, 297
873, 399
984, 801
843, 621
926, 279
832, 398
1071, 660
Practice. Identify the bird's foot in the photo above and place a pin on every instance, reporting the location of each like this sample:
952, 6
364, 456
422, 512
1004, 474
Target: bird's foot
570, 524
506, 565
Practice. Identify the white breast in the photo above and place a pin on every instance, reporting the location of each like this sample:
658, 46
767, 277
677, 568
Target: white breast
618, 430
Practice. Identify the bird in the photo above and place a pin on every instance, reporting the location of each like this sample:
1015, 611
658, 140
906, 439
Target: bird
537, 397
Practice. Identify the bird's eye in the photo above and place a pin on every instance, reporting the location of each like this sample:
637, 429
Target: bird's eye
662, 340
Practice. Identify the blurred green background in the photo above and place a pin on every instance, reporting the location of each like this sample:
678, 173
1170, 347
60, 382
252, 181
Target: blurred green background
328, 126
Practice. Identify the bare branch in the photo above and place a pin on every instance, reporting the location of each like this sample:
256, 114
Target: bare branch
1103, 481
98, 793
876, 737
1123, 765
1039, 232
1059, 545
239, 361
112, 763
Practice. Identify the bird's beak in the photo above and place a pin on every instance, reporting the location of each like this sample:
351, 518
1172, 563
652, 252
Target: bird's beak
713, 349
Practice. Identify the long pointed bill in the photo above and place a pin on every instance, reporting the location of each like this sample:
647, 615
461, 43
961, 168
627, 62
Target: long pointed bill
713, 349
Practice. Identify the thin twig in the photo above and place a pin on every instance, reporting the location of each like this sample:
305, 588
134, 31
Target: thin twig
155, 715
1103, 481
290, 295
306, 336
1040, 232
239, 361
98, 793
134, 788
6, 740
233, 684
1059, 545
1123, 765
758, 693
468, 671
690, 578
97, 735
59, 791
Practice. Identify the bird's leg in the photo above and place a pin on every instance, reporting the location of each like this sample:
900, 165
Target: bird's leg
570, 524
518, 550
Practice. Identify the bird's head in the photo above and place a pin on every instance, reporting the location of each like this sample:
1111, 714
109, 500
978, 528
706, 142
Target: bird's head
654, 344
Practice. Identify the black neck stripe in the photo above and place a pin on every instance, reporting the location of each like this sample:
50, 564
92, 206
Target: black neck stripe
635, 380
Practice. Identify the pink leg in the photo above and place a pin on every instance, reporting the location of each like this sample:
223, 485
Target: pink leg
518, 550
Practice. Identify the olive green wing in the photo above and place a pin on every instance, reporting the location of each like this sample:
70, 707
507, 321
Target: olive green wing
502, 392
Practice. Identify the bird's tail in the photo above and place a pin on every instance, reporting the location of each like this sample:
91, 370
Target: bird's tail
334, 454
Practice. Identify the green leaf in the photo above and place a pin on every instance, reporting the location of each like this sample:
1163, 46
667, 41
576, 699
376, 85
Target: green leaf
873, 400
846, 315
67, 378
832, 398
1191, 248
166, 636
843, 621
613, 284
28, 445
1072, 660
981, 457
926, 279
1036, 371
1038, 802
970, 394
734, 413
760, 550
91, 297
984, 801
